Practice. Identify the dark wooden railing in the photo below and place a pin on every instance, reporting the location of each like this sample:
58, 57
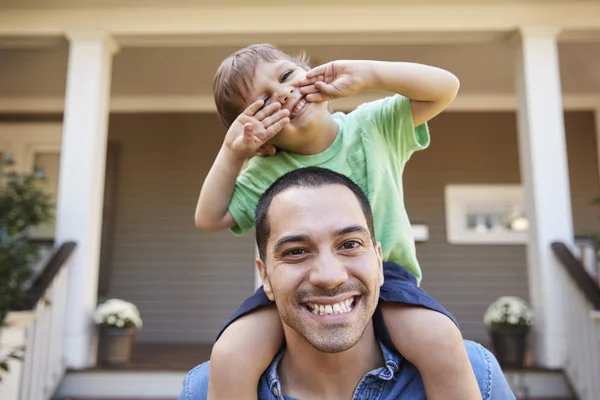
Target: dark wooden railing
580, 276
46, 277
581, 322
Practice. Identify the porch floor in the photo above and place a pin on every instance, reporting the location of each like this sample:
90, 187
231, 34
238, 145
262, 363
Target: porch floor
164, 356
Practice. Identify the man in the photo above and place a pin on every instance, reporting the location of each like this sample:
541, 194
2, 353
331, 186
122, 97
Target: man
320, 264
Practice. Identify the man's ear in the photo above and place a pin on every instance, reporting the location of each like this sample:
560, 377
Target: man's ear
380, 259
262, 270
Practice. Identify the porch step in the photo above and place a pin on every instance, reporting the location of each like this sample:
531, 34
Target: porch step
121, 384
110, 384
535, 383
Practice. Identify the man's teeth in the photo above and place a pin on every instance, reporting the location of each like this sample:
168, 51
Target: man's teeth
298, 108
332, 309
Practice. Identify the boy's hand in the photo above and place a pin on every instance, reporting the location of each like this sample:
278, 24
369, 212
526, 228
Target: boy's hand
254, 127
334, 80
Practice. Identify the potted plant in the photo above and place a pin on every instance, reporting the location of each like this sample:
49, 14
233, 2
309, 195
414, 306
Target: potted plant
118, 322
24, 205
509, 319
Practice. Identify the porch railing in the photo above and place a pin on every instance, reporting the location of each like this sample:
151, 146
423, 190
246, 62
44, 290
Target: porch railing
38, 328
582, 299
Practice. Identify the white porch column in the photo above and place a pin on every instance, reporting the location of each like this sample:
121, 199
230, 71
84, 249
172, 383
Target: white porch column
81, 183
544, 172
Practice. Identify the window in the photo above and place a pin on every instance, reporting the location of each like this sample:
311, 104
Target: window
485, 214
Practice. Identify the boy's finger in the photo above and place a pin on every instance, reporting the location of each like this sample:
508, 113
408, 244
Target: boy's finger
326, 88
309, 89
317, 97
268, 110
320, 70
266, 150
309, 81
276, 127
267, 122
248, 131
277, 114
254, 107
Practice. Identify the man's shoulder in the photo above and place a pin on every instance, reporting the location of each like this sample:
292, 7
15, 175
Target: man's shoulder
195, 384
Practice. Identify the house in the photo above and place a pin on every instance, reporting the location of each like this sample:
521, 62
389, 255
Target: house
113, 98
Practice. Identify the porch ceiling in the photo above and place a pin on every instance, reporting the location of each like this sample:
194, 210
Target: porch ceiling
151, 3
484, 68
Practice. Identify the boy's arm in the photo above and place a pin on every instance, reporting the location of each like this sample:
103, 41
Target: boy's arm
430, 89
253, 128
212, 209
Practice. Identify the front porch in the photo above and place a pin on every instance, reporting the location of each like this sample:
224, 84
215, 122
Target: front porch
134, 128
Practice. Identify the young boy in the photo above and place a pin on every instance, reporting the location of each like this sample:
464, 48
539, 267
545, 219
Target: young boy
271, 100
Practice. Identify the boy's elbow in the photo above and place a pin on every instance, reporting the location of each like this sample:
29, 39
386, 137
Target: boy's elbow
452, 87
203, 225
208, 226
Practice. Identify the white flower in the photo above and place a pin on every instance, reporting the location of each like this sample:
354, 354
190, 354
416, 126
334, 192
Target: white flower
117, 313
507, 311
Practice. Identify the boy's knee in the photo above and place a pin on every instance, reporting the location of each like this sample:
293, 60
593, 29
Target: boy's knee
436, 329
223, 351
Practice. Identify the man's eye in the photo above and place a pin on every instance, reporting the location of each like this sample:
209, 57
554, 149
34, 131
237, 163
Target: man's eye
285, 76
294, 252
351, 244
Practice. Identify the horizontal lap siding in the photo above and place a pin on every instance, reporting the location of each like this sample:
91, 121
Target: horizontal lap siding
482, 148
185, 282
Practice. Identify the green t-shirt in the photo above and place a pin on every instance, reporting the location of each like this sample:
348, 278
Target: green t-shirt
372, 146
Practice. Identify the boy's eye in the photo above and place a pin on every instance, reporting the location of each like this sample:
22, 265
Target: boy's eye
286, 75
265, 102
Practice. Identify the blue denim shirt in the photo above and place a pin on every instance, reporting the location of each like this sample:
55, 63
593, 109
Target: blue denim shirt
397, 379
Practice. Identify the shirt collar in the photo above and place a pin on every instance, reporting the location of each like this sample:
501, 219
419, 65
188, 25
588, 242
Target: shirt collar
388, 372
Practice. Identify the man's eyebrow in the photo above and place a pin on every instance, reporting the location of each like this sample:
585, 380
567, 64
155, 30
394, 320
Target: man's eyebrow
289, 239
352, 229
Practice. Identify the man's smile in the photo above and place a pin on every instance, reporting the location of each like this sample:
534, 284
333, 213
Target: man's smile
332, 308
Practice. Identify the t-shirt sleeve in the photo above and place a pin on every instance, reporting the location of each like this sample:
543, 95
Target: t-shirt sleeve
243, 203
251, 183
392, 117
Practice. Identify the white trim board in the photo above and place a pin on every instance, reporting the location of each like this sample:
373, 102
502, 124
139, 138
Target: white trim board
391, 18
205, 103
459, 199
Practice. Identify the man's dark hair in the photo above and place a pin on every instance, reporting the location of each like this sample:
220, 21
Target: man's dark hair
304, 177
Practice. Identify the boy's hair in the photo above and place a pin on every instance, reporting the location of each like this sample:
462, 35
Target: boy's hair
234, 77
311, 177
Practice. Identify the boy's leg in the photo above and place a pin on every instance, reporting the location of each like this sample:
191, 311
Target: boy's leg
433, 343
242, 353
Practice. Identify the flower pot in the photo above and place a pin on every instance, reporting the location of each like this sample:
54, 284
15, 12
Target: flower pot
509, 346
115, 345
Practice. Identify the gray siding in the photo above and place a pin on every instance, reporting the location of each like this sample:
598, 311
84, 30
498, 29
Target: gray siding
482, 148
185, 282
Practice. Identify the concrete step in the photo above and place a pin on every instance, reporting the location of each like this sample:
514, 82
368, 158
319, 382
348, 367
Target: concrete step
537, 383
116, 384
143, 384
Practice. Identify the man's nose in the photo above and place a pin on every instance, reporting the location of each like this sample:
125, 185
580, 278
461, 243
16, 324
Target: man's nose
328, 272
284, 93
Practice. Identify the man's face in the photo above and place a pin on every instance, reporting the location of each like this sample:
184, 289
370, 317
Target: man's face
322, 269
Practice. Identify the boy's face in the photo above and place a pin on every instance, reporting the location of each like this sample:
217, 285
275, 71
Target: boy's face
280, 81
